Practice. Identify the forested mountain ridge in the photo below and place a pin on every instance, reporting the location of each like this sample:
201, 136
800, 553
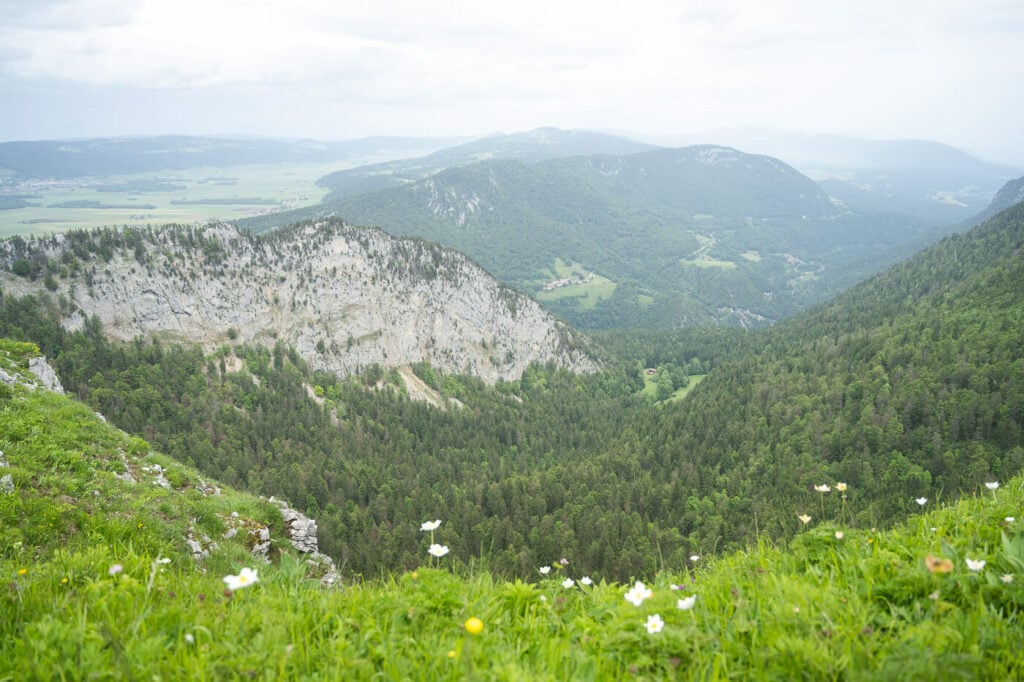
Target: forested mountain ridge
908, 386
344, 298
1010, 194
662, 238
533, 146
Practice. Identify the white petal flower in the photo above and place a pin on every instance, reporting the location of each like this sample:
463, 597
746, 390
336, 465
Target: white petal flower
544, 570
686, 604
841, 487
568, 582
1010, 519
115, 569
921, 500
839, 535
437, 550
655, 624
823, 488
992, 485
638, 593
430, 525
695, 558
804, 518
1007, 578
585, 580
245, 577
975, 564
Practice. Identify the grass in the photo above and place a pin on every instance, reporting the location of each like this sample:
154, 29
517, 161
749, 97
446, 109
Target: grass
223, 193
587, 295
701, 258
650, 389
860, 605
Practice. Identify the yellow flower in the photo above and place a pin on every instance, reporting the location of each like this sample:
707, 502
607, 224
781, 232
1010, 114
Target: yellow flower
63, 581
841, 487
474, 625
22, 571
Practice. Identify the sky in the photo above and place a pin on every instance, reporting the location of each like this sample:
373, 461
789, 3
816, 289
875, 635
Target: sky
944, 70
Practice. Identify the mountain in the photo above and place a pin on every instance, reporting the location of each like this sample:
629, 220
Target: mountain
345, 298
62, 159
663, 238
126, 564
1011, 194
529, 147
923, 180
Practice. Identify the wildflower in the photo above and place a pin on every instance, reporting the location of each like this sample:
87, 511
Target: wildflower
544, 570
64, 581
839, 535
823, 488
686, 604
189, 638
934, 596
451, 653
841, 487
22, 571
921, 500
804, 518
1006, 578
568, 582
245, 577
437, 550
163, 560
430, 525
937, 565
992, 485
564, 561
115, 569
695, 558
975, 564
638, 593
655, 624
474, 625
673, 586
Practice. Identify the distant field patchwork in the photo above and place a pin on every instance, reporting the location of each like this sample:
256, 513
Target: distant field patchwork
195, 194
573, 281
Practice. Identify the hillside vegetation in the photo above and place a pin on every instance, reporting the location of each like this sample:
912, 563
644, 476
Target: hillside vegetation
673, 237
908, 386
101, 583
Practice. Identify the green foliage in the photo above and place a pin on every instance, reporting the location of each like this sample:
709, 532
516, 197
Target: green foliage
100, 582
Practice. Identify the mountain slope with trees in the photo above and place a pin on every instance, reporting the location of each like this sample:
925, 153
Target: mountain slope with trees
664, 238
908, 386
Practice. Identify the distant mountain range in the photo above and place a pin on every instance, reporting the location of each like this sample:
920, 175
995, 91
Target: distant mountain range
530, 147
660, 238
62, 159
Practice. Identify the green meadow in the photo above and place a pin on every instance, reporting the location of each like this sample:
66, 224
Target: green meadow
586, 294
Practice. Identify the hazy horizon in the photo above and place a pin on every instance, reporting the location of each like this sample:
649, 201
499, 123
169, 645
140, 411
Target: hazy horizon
344, 71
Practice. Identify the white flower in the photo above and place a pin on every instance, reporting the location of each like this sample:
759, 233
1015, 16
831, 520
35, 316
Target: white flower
163, 560
804, 518
1007, 578
568, 582
585, 580
686, 604
544, 570
1010, 519
695, 558
115, 569
921, 500
638, 593
992, 485
189, 638
823, 488
655, 624
430, 525
437, 550
975, 565
245, 577
841, 487
839, 535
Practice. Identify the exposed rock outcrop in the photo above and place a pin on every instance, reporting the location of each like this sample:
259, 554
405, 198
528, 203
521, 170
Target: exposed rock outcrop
343, 297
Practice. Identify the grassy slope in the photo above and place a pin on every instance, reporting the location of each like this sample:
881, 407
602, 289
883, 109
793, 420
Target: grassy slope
863, 606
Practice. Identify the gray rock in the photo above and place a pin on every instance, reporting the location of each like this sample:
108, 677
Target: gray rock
45, 374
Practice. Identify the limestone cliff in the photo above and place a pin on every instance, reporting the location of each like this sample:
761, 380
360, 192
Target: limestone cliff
344, 297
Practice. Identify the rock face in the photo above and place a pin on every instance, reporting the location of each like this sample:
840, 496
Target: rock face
344, 297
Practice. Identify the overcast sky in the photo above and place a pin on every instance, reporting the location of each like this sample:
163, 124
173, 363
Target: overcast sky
946, 70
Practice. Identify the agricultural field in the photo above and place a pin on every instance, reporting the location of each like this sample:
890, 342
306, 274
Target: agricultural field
572, 280
184, 196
